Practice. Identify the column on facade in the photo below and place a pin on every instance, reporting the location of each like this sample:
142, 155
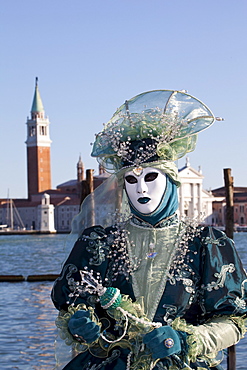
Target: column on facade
200, 210
181, 191
194, 198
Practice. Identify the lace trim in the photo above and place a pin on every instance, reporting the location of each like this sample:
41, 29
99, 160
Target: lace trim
63, 330
241, 322
194, 341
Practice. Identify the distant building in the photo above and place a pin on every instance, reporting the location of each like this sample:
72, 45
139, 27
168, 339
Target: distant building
51, 210
38, 148
240, 207
46, 214
194, 201
45, 209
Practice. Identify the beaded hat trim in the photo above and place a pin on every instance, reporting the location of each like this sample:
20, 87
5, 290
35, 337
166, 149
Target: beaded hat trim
159, 124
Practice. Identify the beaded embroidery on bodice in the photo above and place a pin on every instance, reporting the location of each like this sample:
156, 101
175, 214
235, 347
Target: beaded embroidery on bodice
149, 278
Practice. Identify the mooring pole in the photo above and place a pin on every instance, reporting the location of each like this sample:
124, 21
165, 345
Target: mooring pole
229, 222
229, 202
89, 179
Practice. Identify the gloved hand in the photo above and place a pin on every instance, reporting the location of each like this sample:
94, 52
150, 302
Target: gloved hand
81, 326
162, 342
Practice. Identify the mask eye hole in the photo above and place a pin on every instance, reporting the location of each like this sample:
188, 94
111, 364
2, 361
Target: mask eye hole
151, 176
131, 179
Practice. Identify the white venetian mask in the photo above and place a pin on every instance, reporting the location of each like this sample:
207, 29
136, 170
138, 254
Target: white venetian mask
145, 188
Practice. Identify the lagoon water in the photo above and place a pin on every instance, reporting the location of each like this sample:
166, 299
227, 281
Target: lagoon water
27, 315
27, 329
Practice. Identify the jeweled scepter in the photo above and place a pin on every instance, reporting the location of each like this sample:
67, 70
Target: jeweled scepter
110, 299
119, 306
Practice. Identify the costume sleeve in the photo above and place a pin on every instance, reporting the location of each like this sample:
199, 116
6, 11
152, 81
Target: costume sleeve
89, 251
221, 299
224, 282
206, 340
219, 333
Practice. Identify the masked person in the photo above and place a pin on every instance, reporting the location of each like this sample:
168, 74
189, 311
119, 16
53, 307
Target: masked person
142, 289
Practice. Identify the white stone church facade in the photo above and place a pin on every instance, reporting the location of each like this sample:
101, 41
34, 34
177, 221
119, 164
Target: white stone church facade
194, 201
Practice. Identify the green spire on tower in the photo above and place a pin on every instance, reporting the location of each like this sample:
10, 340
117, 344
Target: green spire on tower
37, 105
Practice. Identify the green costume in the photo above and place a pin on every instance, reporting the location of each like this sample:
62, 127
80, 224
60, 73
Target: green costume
139, 280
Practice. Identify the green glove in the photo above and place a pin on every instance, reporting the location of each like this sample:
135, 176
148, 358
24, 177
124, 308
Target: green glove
82, 327
162, 342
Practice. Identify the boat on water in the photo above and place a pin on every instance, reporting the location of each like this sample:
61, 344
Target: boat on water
241, 228
11, 218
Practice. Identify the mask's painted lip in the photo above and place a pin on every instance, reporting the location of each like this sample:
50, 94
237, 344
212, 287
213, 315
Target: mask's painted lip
143, 200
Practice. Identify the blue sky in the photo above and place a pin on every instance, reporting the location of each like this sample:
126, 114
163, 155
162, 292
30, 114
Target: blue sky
90, 56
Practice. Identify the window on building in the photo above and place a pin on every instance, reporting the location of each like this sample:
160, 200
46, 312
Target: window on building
32, 131
242, 209
42, 130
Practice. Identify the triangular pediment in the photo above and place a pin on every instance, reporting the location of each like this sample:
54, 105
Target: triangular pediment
189, 172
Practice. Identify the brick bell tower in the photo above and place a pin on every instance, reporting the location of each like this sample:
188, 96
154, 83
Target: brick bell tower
38, 147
